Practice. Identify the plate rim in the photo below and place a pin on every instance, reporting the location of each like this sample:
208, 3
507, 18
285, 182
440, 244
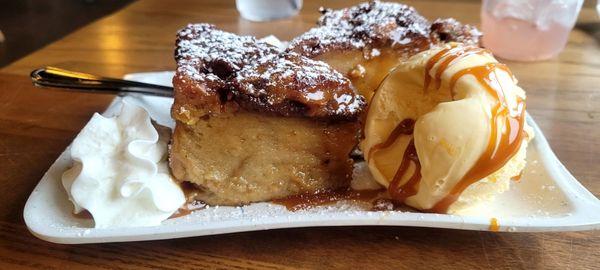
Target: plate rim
583, 217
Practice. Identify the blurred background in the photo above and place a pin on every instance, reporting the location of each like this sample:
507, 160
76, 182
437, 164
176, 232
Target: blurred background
28, 25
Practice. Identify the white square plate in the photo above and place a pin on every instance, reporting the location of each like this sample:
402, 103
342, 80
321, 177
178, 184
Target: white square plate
548, 198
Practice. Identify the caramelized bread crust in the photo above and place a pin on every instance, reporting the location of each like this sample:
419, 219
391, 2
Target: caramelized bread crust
219, 72
373, 25
366, 41
450, 30
254, 123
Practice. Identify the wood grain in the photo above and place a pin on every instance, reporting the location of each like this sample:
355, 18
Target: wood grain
36, 125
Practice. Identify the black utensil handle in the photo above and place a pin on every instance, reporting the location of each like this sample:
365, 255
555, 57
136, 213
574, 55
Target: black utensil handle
60, 78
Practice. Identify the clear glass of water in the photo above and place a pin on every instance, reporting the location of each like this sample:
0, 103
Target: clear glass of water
528, 30
266, 10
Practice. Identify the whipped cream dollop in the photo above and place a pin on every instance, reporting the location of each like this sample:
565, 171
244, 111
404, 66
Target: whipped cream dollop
120, 173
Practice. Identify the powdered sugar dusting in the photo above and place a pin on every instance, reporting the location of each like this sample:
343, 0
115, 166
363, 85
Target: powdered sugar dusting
373, 25
199, 45
286, 77
259, 76
365, 25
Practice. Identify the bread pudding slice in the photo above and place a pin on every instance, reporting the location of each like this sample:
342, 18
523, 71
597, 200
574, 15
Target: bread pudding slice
255, 124
366, 41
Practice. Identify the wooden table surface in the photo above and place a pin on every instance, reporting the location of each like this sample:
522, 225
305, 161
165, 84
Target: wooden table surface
36, 125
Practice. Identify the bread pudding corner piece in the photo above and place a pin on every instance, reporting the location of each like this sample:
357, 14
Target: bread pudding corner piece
366, 41
254, 124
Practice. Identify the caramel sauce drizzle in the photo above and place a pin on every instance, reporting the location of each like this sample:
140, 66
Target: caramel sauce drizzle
397, 191
450, 55
188, 208
401, 192
324, 197
85, 214
405, 127
494, 226
517, 178
502, 146
190, 191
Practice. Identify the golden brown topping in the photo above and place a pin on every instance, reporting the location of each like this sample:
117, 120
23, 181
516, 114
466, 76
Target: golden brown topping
219, 71
289, 84
450, 30
375, 24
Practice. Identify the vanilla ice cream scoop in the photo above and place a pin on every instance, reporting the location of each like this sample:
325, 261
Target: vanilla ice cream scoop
447, 129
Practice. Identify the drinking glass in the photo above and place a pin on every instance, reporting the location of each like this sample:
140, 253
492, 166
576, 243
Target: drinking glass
266, 10
528, 30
